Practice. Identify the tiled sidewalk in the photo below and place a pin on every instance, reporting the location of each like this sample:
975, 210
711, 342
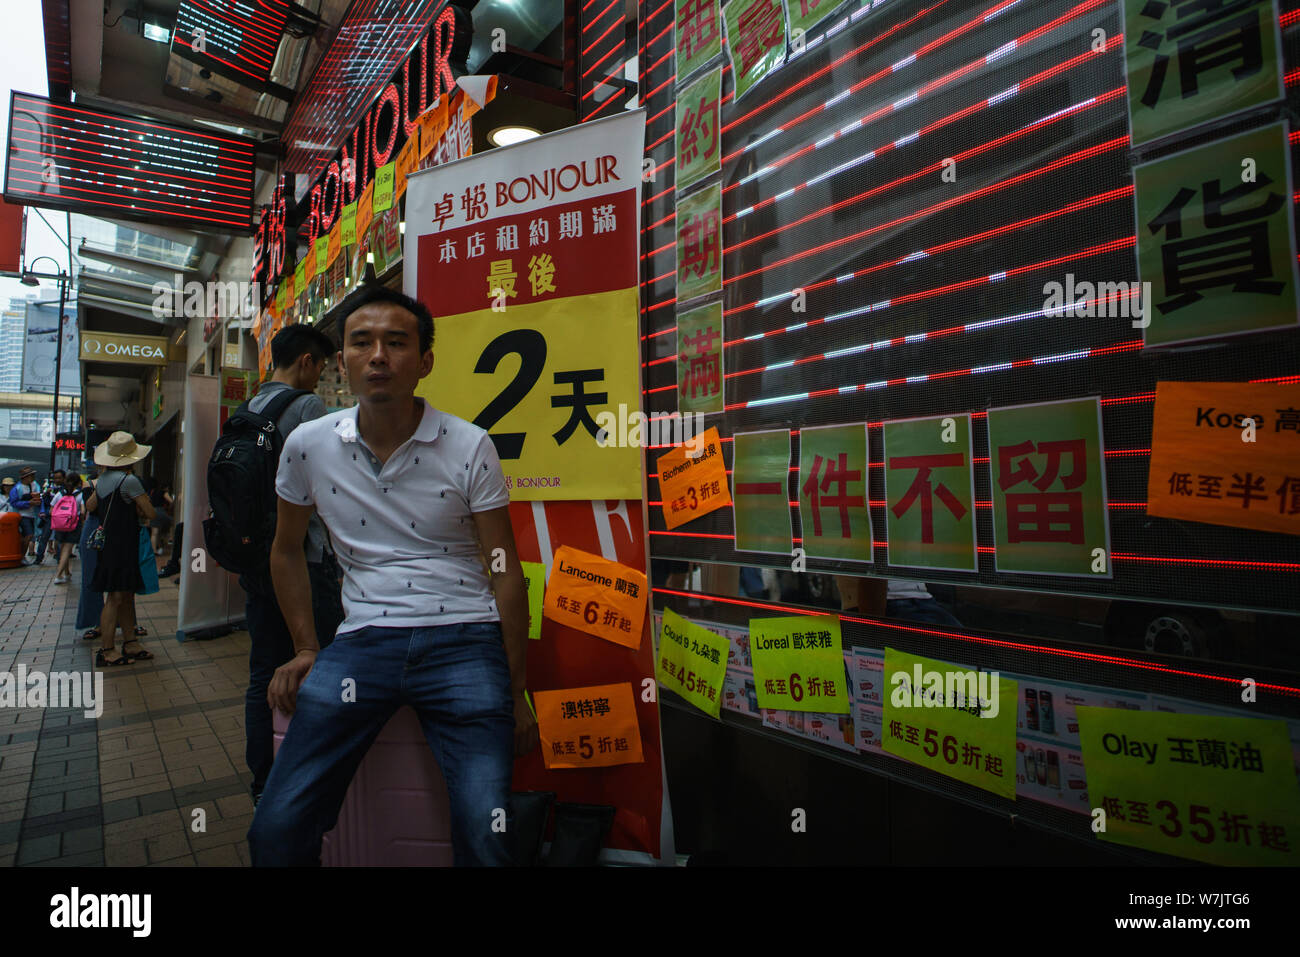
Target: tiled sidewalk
123, 789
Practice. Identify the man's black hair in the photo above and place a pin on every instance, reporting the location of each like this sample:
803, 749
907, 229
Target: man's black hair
292, 341
371, 293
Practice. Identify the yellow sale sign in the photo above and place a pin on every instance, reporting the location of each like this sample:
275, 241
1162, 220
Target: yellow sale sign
692, 662
1212, 788
799, 664
535, 582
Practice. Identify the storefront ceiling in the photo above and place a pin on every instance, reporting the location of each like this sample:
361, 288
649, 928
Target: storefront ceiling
370, 44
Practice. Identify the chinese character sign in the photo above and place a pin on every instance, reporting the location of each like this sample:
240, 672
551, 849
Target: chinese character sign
691, 662
593, 594
699, 130
760, 472
833, 508
930, 493
699, 244
700, 370
527, 258
803, 15
1211, 788
698, 34
1215, 238
951, 718
1193, 61
590, 727
1049, 489
1227, 453
693, 486
755, 40
798, 664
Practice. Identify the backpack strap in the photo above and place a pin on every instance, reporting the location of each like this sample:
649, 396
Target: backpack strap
279, 404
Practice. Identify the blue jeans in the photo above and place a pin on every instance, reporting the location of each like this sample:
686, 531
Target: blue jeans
457, 679
271, 646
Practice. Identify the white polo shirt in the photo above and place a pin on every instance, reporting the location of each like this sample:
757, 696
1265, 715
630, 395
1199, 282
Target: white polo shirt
404, 533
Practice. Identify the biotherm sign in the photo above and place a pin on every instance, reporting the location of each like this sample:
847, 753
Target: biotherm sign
383, 129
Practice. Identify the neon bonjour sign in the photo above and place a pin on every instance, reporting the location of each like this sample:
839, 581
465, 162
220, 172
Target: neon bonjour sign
373, 142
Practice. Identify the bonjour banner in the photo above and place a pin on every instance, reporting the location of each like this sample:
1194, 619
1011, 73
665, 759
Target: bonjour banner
527, 258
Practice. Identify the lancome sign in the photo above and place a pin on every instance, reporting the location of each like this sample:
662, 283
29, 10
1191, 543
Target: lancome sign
112, 347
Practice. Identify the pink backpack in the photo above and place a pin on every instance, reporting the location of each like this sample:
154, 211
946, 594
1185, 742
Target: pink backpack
64, 515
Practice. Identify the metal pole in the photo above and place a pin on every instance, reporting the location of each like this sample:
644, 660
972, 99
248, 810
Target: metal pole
58, 365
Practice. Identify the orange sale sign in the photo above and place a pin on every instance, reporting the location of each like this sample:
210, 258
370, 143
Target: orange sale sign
588, 727
592, 594
691, 487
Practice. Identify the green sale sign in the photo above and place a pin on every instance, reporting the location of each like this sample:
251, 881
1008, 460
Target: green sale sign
698, 30
700, 365
833, 510
1190, 63
699, 129
699, 243
760, 495
930, 493
755, 40
1048, 474
1216, 239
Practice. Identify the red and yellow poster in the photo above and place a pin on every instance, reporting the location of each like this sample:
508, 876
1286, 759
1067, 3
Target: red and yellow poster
1227, 453
527, 259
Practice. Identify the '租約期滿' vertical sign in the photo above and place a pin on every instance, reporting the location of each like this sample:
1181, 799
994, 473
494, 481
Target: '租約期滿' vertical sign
527, 257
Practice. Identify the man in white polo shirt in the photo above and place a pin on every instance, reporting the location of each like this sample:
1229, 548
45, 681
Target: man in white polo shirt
416, 506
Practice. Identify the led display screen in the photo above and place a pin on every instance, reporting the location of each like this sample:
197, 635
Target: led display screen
66, 156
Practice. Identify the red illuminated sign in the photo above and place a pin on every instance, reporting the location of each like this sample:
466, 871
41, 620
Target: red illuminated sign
269, 238
237, 38
107, 164
422, 78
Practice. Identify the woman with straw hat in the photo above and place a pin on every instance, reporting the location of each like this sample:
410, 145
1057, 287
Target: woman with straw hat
120, 502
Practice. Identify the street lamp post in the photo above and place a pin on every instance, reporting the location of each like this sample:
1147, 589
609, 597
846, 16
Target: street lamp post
62, 278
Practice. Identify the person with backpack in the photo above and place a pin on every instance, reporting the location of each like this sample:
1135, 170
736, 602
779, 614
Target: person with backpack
65, 521
45, 530
241, 495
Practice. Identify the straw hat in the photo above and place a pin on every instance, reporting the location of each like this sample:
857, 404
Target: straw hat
121, 448
7, 482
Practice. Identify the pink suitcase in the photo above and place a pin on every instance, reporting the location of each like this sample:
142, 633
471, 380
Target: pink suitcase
396, 812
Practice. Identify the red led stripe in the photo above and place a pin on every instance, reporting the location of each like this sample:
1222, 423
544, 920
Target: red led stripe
233, 190
138, 209
64, 189
611, 27
119, 141
181, 131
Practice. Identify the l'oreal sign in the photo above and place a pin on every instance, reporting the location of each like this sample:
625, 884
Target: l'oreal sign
112, 347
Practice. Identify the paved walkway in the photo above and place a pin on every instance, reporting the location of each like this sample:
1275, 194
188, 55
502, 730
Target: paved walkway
123, 789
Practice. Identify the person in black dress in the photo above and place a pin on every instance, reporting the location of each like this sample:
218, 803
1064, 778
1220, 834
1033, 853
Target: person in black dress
120, 501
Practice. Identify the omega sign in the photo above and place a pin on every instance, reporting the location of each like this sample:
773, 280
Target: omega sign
111, 347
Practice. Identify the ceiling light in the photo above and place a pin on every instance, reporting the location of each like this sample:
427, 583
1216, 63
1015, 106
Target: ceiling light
508, 135
153, 31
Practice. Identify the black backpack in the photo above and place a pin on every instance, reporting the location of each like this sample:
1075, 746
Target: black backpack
240, 526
